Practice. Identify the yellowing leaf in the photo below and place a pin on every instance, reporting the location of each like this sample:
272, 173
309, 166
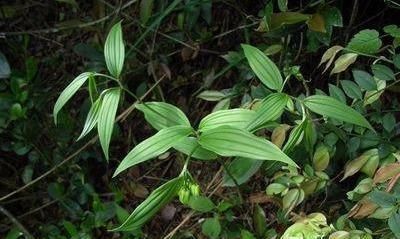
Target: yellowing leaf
317, 23
343, 62
329, 55
287, 18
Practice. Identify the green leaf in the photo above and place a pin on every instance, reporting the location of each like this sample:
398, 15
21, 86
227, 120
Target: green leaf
364, 80
211, 95
388, 122
290, 200
287, 18
68, 92
93, 89
270, 109
343, 62
263, 67
153, 203
106, 117
329, 107
233, 142
14, 233
392, 30
337, 93
394, 222
282, 5
396, 61
201, 204
241, 169
351, 89
295, 137
222, 105
329, 56
211, 227
190, 146
238, 118
114, 50
91, 118
383, 72
259, 221
146, 8
162, 115
383, 199
366, 41
153, 146
275, 188
246, 235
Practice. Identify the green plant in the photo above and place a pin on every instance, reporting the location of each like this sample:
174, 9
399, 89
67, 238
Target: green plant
226, 133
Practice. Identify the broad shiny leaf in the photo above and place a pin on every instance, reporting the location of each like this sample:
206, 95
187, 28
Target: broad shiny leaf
366, 41
238, 118
330, 107
162, 115
270, 109
241, 169
114, 50
190, 146
91, 118
233, 142
153, 146
106, 118
263, 67
153, 203
68, 92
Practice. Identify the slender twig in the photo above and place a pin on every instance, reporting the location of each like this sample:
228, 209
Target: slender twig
16, 223
234, 30
37, 209
120, 117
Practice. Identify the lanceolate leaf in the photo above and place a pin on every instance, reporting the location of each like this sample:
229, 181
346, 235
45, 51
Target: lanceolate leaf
190, 146
162, 115
343, 62
114, 50
106, 119
230, 142
154, 146
270, 109
238, 118
93, 89
263, 67
329, 56
91, 118
330, 107
153, 203
241, 169
68, 92
295, 136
